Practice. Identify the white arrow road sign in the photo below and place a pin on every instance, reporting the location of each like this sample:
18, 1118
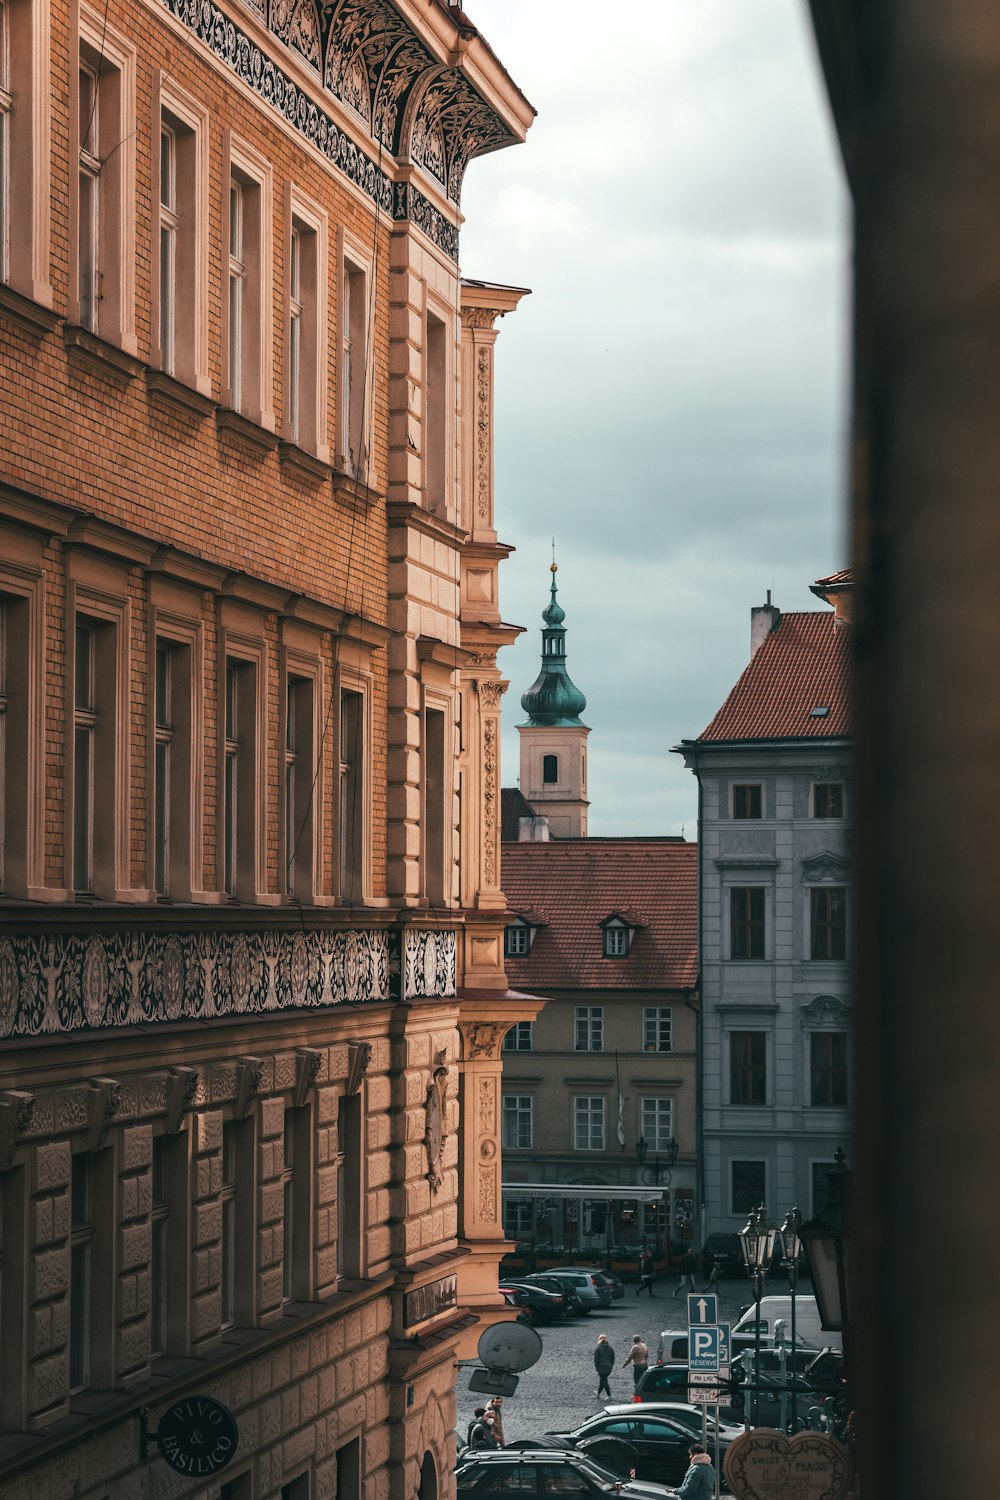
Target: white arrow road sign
702, 1307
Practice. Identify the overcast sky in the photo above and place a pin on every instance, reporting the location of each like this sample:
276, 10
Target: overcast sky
671, 400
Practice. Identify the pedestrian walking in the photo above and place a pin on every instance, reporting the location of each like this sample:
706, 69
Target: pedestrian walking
604, 1363
699, 1481
647, 1269
688, 1266
638, 1358
713, 1270
493, 1406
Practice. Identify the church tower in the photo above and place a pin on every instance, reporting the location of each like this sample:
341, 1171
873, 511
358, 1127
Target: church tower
553, 740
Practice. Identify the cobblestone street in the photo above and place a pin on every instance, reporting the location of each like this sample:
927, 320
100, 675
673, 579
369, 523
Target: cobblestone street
560, 1391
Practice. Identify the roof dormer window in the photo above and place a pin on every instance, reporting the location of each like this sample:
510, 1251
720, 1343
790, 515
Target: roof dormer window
619, 931
519, 934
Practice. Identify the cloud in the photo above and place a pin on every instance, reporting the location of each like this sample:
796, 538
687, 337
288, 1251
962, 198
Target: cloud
670, 402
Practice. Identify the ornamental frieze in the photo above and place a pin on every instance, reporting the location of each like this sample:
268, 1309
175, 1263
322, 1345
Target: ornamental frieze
365, 54
76, 982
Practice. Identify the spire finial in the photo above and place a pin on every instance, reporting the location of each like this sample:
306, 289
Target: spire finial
554, 566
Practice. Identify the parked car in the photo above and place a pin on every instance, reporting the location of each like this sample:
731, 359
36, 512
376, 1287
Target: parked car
826, 1372
726, 1250
679, 1411
514, 1298
670, 1383
547, 1306
558, 1470
614, 1282
650, 1442
549, 1281
673, 1345
592, 1287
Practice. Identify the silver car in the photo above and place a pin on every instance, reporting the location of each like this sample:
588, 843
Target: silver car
590, 1292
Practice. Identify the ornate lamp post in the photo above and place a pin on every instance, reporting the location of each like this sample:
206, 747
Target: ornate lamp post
791, 1242
757, 1243
826, 1241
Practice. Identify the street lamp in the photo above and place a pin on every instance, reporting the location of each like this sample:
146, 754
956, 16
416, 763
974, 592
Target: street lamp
790, 1236
826, 1242
757, 1243
651, 1175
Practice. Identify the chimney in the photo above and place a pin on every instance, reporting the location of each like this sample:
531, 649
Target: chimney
763, 619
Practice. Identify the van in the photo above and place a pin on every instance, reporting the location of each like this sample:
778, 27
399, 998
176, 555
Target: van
673, 1346
808, 1328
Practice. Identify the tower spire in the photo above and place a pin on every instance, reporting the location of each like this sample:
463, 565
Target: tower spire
553, 736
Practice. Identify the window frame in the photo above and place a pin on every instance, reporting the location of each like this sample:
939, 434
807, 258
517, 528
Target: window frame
520, 1037
833, 1068
352, 867
242, 644
733, 1163
301, 774
749, 926
305, 399
752, 1072
188, 120
829, 932
828, 788
617, 939
517, 1117
745, 804
550, 761
354, 454
22, 758
6, 110
522, 947
247, 252
650, 1110
112, 61
653, 1015
174, 621
596, 1121
591, 1019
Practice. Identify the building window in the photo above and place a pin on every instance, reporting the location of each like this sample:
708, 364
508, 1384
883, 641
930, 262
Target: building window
828, 1069
657, 1028
295, 317
436, 414
105, 166
229, 1200
81, 1269
84, 754
5, 135
518, 1219
748, 1067
239, 779
88, 263
169, 234
248, 303
616, 940
828, 922
299, 788
657, 1117
353, 370
820, 1184
828, 799
550, 769
588, 1123
295, 1205
518, 1122
164, 734
19, 768
588, 1027
350, 1165
181, 247
747, 801
435, 864
746, 916
516, 941
238, 198
159, 1263
748, 1186
7, 790
520, 1037
352, 807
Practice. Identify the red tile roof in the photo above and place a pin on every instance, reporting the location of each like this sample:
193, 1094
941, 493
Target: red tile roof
804, 664
514, 806
836, 580
574, 884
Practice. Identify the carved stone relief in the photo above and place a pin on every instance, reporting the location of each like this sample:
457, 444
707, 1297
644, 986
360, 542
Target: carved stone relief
486, 1122
826, 1010
825, 866
434, 1133
490, 775
480, 317
487, 1196
483, 1038
483, 435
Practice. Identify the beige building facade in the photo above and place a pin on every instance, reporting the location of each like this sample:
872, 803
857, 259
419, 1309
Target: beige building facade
252, 987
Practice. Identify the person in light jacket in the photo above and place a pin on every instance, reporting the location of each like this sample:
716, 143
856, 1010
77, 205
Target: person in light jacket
638, 1358
699, 1481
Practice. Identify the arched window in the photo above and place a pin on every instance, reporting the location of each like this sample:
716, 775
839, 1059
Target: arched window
428, 1479
550, 769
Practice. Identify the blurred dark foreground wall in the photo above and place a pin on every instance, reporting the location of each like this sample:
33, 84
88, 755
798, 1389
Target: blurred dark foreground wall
914, 87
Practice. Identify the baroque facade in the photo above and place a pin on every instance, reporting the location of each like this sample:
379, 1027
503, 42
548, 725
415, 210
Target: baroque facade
775, 783
252, 992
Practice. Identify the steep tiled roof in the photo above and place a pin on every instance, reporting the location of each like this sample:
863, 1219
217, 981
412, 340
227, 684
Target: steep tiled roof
514, 806
837, 580
802, 665
575, 883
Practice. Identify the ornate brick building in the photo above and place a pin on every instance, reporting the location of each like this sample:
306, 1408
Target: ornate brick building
252, 991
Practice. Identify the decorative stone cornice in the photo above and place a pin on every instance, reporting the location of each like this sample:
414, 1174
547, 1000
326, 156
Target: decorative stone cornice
359, 1059
483, 1038
825, 1010
249, 1072
307, 1066
826, 866
182, 1087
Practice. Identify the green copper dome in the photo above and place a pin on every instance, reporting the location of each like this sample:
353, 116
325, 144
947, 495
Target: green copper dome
553, 699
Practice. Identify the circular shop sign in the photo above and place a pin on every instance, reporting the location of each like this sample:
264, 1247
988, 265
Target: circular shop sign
198, 1436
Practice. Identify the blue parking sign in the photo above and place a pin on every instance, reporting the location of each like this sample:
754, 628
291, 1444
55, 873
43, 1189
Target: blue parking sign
703, 1348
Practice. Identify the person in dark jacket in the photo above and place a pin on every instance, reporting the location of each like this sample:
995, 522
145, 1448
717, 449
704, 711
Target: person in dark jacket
604, 1363
699, 1481
481, 1430
687, 1268
647, 1269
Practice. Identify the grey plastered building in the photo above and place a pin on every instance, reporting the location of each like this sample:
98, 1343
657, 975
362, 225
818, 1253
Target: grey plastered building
775, 927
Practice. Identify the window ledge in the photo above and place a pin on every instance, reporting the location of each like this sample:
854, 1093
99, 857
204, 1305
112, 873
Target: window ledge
91, 350
347, 488
294, 457
166, 390
27, 314
245, 431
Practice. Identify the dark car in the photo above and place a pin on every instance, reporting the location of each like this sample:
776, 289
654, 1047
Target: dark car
547, 1306
653, 1444
538, 1472
549, 1282
724, 1250
613, 1282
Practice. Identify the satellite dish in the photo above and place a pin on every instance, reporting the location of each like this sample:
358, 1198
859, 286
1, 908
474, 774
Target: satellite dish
509, 1346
